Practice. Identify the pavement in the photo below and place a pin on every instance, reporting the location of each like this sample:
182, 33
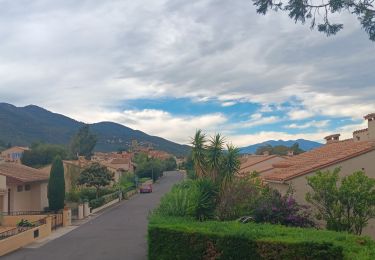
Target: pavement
119, 232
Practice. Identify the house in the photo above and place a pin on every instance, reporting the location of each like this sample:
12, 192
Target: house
22, 188
355, 154
13, 154
119, 166
262, 164
159, 154
72, 170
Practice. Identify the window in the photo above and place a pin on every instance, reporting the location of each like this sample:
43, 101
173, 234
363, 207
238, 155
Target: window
27, 187
19, 188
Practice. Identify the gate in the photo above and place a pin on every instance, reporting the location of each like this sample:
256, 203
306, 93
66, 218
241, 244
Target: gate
57, 221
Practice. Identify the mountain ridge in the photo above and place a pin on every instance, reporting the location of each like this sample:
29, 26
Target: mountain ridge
304, 144
31, 123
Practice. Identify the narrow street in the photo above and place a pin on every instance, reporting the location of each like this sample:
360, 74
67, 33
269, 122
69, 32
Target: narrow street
118, 233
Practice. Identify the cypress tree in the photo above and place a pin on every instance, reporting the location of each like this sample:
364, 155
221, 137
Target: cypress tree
56, 185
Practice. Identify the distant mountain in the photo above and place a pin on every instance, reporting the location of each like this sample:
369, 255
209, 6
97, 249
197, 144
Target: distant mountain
303, 144
25, 125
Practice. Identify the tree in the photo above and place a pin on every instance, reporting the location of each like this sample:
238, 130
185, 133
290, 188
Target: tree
198, 153
211, 160
345, 207
95, 175
56, 185
152, 167
279, 149
83, 143
170, 164
319, 13
215, 155
42, 154
231, 164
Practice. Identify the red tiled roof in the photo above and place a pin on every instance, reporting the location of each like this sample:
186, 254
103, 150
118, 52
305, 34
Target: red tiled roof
255, 159
22, 173
319, 158
120, 161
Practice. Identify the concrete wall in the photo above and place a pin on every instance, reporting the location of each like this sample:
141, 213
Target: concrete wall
365, 161
33, 199
371, 129
13, 243
43, 195
3, 183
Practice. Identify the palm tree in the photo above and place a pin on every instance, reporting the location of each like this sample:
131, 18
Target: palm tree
215, 155
231, 164
198, 153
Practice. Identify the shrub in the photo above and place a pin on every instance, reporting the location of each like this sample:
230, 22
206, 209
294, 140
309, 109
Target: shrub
345, 204
207, 192
25, 223
179, 238
73, 196
90, 193
275, 208
196, 199
180, 201
239, 198
110, 197
96, 203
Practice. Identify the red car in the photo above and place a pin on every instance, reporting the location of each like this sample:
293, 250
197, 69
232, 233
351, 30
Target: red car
146, 188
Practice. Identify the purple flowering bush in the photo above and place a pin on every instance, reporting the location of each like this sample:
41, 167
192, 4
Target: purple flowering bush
275, 208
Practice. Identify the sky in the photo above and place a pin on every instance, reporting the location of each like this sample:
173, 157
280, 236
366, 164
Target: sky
169, 67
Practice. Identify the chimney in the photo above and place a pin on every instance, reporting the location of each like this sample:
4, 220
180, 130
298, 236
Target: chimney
332, 138
290, 153
371, 126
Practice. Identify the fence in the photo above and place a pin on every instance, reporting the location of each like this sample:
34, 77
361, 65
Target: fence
75, 213
21, 229
21, 213
57, 221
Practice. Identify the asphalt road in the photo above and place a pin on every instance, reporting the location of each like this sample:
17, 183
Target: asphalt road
118, 233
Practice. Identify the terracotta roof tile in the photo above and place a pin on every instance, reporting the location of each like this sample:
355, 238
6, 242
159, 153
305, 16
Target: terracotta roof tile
23, 173
120, 161
255, 159
319, 158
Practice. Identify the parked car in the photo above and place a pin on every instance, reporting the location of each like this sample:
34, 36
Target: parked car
146, 188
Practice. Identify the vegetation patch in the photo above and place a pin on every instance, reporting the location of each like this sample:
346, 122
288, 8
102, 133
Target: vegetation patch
181, 238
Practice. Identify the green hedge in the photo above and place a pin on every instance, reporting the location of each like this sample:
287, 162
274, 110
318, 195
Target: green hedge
179, 238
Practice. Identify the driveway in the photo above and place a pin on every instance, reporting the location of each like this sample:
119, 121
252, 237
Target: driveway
118, 233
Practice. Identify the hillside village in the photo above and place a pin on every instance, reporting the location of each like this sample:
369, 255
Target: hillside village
24, 190
187, 130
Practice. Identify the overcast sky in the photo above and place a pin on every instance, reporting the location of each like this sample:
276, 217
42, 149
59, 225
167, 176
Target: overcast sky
170, 67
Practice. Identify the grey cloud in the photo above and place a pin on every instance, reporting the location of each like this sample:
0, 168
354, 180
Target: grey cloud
104, 52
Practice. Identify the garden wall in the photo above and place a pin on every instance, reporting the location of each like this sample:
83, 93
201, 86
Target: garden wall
24, 238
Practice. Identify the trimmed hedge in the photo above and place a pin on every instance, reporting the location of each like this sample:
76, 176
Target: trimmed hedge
179, 238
